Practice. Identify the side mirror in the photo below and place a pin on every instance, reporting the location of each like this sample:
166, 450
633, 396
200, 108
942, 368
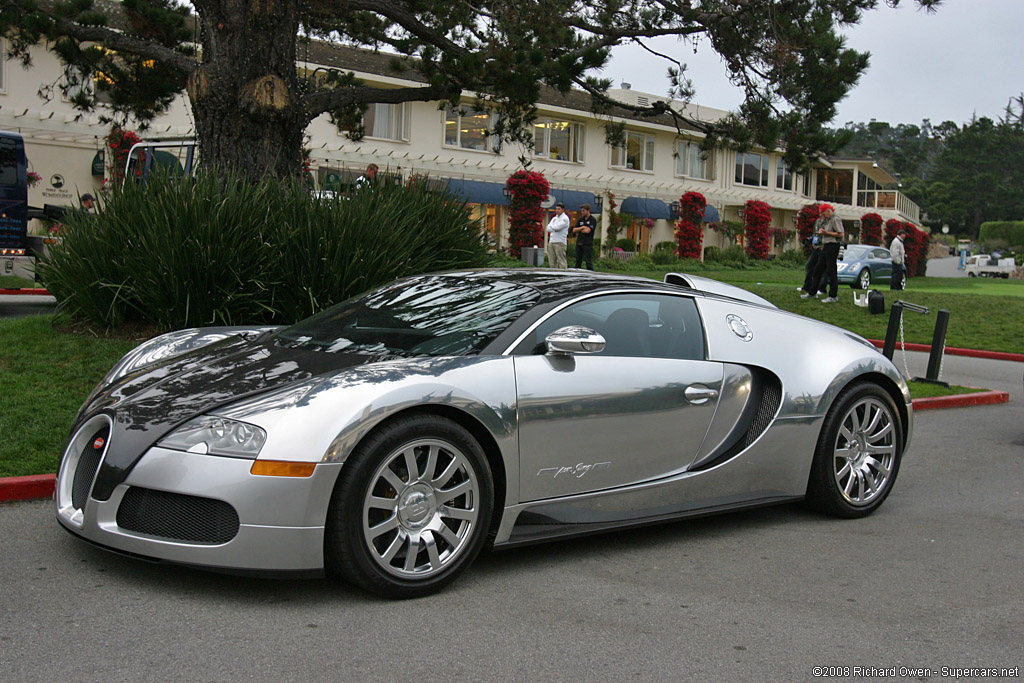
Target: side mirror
574, 339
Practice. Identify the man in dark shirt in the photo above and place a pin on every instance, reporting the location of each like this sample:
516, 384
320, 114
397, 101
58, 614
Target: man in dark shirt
586, 226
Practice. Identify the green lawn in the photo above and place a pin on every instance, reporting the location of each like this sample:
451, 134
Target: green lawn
45, 376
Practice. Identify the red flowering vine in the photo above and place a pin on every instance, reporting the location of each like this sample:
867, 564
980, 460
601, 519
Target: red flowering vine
757, 218
120, 142
690, 228
805, 221
871, 229
528, 190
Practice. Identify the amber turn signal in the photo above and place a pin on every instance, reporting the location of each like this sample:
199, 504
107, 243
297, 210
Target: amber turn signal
279, 468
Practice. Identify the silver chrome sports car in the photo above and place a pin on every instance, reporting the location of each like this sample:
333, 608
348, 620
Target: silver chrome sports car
389, 438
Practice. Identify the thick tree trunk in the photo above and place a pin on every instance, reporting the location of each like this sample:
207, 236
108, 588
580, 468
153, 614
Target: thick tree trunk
250, 113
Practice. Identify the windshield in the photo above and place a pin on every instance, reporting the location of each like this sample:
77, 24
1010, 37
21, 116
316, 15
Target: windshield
425, 316
855, 252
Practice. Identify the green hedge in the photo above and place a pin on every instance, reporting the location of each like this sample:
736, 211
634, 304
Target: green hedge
1004, 233
211, 251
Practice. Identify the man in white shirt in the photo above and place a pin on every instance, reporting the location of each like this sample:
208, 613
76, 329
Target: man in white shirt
899, 259
558, 236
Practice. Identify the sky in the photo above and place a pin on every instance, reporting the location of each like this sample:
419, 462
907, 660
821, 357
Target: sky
965, 59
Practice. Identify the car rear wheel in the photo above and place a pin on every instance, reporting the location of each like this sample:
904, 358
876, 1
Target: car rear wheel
972, 275
411, 508
858, 453
864, 279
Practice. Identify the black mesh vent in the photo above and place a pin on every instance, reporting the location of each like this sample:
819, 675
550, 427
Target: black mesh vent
771, 398
176, 516
85, 471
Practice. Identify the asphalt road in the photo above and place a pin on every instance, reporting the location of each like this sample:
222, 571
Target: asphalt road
934, 579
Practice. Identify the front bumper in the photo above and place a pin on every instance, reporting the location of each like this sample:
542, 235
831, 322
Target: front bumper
279, 525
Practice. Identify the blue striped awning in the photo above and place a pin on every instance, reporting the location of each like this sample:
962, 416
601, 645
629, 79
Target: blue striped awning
574, 199
644, 207
477, 192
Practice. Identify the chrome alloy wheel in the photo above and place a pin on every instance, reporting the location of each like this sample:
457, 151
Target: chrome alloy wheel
864, 278
865, 450
421, 508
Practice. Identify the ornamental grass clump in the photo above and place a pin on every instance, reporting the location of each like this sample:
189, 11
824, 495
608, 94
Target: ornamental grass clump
218, 250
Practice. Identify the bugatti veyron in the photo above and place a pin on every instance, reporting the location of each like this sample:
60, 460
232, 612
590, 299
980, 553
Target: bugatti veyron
389, 438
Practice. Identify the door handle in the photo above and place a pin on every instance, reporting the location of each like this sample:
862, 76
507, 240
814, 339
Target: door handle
698, 394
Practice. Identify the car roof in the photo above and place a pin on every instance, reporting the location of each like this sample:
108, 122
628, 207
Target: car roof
553, 284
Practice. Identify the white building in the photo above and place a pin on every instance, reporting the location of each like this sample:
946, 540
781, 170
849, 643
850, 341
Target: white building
655, 167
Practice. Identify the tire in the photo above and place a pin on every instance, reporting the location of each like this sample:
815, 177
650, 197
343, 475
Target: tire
858, 453
403, 535
864, 279
972, 275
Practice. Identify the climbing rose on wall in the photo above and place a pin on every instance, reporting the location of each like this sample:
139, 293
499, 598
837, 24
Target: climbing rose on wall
690, 228
871, 229
757, 217
526, 229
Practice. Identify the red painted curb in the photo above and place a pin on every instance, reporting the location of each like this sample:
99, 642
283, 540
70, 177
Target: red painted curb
43, 292
27, 488
954, 351
982, 398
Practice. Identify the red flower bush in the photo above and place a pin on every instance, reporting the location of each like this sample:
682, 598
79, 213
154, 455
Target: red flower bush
690, 228
871, 229
805, 221
757, 218
528, 190
120, 142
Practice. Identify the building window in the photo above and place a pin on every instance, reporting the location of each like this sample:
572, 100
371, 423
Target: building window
558, 140
469, 130
783, 176
693, 162
835, 186
636, 154
752, 169
386, 121
805, 183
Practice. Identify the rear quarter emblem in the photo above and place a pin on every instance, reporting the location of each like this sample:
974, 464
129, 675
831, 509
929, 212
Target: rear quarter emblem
739, 327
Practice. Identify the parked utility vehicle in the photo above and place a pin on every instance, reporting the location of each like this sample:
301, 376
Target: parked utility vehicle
983, 265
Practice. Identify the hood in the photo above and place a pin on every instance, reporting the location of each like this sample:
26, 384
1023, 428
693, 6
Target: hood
146, 404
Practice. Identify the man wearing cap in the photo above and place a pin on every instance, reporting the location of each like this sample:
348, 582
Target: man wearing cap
829, 229
88, 203
899, 259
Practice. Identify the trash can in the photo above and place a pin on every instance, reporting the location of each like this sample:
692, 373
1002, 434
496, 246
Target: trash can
534, 256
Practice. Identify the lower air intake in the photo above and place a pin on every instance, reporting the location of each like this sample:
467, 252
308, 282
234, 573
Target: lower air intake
177, 517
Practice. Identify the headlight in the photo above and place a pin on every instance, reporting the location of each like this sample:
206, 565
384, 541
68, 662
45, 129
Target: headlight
214, 435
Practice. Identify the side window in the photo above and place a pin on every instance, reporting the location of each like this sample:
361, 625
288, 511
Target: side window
633, 325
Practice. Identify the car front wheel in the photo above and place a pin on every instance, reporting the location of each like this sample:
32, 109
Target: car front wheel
864, 279
858, 453
411, 508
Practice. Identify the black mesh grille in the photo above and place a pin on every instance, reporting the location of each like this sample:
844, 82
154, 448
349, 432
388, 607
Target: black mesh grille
85, 471
176, 516
771, 397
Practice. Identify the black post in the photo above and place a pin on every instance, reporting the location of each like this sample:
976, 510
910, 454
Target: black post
895, 314
938, 346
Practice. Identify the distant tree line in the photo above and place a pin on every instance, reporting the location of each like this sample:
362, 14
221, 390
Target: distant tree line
960, 175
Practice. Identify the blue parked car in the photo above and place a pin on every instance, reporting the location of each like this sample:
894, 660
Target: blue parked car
862, 265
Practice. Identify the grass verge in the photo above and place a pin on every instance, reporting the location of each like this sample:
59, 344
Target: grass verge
45, 376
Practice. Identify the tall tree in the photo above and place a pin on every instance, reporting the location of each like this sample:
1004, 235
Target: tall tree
237, 61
